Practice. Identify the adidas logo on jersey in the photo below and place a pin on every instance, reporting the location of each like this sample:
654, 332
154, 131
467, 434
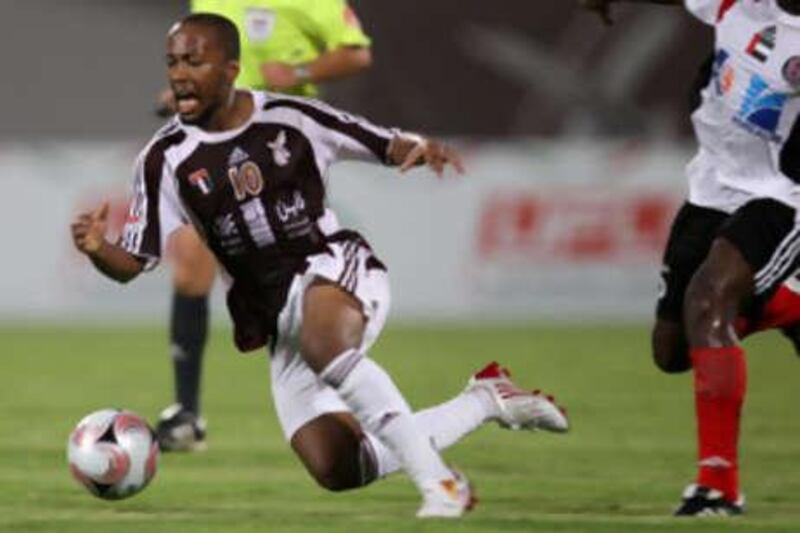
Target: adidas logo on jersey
237, 156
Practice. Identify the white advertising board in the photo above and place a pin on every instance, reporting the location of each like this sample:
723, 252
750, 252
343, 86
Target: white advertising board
534, 230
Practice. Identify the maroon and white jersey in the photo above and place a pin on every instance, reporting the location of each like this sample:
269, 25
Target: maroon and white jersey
256, 194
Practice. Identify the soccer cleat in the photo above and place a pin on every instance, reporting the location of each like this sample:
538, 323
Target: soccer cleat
517, 408
704, 501
450, 498
179, 430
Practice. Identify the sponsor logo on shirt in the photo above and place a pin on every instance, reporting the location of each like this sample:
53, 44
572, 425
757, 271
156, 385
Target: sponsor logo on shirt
723, 74
259, 24
762, 44
280, 154
237, 156
761, 110
225, 229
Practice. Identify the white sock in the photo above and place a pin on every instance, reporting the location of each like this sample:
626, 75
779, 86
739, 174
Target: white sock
382, 411
446, 424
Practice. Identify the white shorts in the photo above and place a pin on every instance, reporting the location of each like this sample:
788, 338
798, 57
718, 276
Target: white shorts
299, 395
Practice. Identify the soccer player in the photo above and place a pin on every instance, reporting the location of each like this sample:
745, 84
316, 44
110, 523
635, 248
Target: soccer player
287, 46
737, 238
247, 169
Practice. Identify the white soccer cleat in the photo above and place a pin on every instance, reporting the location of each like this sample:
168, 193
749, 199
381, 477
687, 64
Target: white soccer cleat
450, 498
519, 409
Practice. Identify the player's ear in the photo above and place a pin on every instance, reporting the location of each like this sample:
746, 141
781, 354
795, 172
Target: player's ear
232, 69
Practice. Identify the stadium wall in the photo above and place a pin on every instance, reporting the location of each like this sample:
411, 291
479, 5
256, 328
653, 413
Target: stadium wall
535, 230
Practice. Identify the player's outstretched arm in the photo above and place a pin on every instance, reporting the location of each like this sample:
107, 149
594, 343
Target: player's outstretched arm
409, 150
89, 235
331, 65
603, 7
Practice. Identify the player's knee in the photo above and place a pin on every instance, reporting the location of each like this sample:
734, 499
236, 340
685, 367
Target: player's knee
671, 360
194, 268
332, 325
670, 353
192, 279
321, 346
706, 300
318, 349
332, 477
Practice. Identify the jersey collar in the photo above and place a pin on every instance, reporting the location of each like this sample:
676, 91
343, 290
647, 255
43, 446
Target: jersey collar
211, 137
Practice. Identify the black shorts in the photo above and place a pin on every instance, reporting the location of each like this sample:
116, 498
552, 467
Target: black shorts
763, 230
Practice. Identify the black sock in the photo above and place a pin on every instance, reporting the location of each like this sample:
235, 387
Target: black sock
188, 331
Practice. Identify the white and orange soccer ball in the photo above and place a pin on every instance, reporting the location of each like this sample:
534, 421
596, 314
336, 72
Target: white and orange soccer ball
113, 453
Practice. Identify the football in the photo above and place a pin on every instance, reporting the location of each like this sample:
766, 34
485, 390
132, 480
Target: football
113, 453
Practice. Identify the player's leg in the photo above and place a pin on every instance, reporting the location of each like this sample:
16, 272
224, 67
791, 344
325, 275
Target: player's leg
752, 256
333, 325
335, 452
194, 270
690, 239
330, 344
716, 294
339, 455
781, 311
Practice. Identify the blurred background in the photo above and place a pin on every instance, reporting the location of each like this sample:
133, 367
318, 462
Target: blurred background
575, 134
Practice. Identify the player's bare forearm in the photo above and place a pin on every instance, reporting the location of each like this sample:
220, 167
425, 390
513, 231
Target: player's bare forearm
408, 150
401, 145
89, 236
116, 263
339, 63
331, 65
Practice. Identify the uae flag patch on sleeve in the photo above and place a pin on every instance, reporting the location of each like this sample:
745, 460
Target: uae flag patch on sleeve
762, 43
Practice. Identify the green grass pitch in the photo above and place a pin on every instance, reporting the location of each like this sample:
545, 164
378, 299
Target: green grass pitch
621, 469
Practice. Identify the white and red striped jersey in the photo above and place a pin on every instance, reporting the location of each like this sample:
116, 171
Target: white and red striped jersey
747, 122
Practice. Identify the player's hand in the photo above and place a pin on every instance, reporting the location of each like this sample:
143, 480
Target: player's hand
601, 7
436, 154
279, 76
89, 230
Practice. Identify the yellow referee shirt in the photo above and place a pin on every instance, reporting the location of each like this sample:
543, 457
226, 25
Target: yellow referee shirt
290, 31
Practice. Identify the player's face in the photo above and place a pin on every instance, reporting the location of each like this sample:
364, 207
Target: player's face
200, 75
790, 6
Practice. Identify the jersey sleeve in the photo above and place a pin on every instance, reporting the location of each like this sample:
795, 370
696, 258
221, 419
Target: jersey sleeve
353, 137
708, 11
335, 134
359, 139
154, 211
336, 24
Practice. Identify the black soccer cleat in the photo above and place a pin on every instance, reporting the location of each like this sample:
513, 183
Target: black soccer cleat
179, 430
703, 501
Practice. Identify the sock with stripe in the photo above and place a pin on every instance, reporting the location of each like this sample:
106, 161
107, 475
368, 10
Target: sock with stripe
445, 424
382, 411
720, 380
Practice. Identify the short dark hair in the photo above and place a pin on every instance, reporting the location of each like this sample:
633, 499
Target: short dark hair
225, 29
